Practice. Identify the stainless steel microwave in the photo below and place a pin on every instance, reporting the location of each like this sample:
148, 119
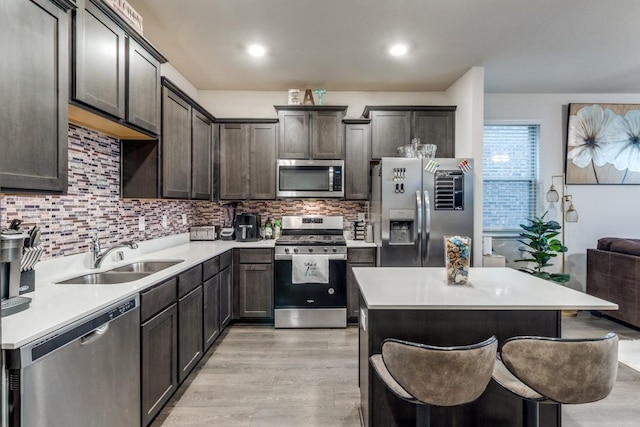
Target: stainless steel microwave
310, 178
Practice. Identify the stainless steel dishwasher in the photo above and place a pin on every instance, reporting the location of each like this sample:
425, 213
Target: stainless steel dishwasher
86, 374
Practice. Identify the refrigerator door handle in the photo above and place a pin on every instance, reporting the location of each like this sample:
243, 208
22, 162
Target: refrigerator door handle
418, 230
427, 227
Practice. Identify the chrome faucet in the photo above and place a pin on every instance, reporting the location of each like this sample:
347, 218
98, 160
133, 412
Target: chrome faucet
97, 256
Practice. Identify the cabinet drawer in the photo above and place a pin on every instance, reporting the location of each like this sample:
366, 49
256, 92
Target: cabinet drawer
189, 280
225, 260
361, 255
156, 299
255, 256
210, 268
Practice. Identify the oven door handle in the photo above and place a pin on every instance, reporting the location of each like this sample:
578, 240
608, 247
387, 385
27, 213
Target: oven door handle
332, 257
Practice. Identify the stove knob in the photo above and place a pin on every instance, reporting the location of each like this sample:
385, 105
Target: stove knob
335, 249
286, 250
326, 249
310, 249
295, 250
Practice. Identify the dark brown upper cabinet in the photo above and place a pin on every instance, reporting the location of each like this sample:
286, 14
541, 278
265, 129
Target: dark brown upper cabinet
247, 159
34, 36
201, 157
234, 161
176, 145
187, 147
357, 158
181, 164
435, 127
262, 161
393, 126
99, 60
143, 88
311, 131
116, 75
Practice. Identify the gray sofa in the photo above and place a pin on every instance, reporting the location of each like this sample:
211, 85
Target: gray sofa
613, 274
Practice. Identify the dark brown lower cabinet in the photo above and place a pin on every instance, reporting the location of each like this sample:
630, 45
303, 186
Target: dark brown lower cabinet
159, 361
211, 311
189, 332
226, 297
359, 257
255, 286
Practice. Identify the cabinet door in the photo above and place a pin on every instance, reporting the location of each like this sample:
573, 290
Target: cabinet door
34, 39
176, 146
99, 60
143, 95
159, 361
201, 162
211, 310
293, 139
327, 135
234, 165
353, 293
389, 130
256, 291
262, 170
226, 297
189, 332
357, 161
358, 257
435, 127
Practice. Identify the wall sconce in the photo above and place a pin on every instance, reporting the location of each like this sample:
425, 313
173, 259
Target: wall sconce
569, 212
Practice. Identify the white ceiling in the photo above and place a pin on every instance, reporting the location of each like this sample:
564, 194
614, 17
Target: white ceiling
541, 46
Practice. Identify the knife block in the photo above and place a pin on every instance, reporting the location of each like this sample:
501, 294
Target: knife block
27, 281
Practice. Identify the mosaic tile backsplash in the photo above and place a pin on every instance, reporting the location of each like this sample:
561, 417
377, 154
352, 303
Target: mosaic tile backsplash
93, 205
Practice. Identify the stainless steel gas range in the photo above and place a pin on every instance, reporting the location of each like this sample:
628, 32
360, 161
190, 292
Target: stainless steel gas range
311, 273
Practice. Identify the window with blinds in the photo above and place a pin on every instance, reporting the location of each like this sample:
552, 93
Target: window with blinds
510, 175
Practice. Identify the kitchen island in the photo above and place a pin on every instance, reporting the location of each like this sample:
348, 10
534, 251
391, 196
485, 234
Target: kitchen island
416, 304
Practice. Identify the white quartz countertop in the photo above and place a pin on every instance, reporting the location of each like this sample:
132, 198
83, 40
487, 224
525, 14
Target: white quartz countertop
54, 306
488, 289
360, 244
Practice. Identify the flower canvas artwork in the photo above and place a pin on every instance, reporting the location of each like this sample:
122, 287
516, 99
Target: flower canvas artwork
603, 144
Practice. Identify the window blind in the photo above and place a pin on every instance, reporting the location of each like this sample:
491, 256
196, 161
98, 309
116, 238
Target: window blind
510, 175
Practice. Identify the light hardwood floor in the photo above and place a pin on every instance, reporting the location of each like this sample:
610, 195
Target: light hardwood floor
259, 376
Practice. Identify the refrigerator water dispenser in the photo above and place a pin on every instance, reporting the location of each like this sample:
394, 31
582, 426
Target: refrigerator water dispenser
401, 227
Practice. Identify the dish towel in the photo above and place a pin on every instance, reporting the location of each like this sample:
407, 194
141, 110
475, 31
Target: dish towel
309, 269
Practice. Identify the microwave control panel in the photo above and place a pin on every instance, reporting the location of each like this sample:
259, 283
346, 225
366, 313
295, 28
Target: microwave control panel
337, 178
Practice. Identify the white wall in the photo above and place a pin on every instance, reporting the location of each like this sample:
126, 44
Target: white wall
604, 210
167, 70
256, 104
468, 94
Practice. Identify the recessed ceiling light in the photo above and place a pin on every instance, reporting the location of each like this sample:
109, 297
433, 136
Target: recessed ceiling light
256, 50
398, 49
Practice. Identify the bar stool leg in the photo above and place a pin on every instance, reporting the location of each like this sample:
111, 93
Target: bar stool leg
423, 416
530, 414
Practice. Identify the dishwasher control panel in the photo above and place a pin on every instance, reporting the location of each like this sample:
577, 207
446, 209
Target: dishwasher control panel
122, 309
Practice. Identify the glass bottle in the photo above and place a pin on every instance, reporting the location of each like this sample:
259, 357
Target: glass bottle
277, 231
268, 230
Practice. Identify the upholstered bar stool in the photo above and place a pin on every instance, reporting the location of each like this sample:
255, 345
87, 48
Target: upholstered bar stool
442, 376
557, 370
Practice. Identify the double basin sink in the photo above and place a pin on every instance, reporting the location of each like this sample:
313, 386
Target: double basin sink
123, 274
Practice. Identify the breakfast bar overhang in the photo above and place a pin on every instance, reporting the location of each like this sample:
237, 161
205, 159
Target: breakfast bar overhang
416, 304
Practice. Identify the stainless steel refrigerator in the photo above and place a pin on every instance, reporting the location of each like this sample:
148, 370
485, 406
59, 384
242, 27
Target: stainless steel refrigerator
415, 202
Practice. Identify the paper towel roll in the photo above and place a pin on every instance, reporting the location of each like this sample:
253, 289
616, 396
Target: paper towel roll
487, 245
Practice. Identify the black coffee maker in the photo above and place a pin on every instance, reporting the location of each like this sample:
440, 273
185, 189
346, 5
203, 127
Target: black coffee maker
229, 225
247, 227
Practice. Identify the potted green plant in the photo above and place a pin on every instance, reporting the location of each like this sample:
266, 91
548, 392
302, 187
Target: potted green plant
542, 246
